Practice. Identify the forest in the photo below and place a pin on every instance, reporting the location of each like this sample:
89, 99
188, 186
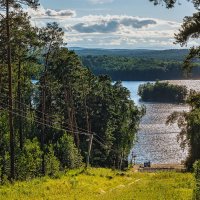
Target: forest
62, 114
166, 55
162, 92
148, 68
54, 113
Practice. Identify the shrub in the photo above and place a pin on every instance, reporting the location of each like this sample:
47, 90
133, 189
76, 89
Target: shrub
67, 152
28, 161
52, 164
4, 168
197, 177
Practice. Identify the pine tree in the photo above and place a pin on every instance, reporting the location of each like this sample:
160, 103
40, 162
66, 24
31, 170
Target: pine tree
7, 4
190, 29
51, 38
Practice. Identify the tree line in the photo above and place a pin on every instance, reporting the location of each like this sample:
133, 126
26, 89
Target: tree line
162, 92
138, 69
68, 116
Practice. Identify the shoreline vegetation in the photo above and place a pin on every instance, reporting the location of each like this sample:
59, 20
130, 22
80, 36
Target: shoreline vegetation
162, 92
130, 68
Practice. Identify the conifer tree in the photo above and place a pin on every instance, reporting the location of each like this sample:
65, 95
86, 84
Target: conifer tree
190, 29
7, 5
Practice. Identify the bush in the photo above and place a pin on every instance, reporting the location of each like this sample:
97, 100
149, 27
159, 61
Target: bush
197, 177
52, 164
28, 161
4, 168
67, 153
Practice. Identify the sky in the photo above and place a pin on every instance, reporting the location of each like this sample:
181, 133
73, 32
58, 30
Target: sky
119, 24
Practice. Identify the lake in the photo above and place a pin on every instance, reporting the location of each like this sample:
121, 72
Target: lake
156, 141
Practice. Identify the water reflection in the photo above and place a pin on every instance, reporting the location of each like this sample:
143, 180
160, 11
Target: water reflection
157, 142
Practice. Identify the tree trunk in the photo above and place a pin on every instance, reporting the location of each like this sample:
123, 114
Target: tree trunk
19, 106
1, 72
12, 143
43, 122
70, 121
75, 126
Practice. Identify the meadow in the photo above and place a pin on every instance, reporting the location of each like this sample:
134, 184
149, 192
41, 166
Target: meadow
103, 184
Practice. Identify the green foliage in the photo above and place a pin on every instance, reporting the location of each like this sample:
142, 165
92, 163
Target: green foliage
4, 148
68, 153
28, 164
189, 122
52, 164
66, 98
18, 4
197, 177
172, 3
197, 170
147, 54
136, 68
162, 92
189, 30
5, 167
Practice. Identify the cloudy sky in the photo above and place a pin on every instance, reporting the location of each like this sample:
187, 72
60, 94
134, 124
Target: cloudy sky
114, 23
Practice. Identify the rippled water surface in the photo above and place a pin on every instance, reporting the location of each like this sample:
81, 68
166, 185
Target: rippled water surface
157, 142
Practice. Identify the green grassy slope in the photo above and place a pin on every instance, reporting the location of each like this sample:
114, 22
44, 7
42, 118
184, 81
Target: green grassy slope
103, 184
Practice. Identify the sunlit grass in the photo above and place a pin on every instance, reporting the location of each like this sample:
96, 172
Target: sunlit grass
100, 184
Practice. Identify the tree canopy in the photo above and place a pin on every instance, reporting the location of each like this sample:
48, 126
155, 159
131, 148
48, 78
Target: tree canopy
190, 29
68, 109
172, 3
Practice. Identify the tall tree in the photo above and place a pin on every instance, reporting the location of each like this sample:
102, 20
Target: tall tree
190, 29
51, 38
24, 40
7, 4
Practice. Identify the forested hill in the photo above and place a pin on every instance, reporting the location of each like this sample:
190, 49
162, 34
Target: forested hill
170, 54
140, 65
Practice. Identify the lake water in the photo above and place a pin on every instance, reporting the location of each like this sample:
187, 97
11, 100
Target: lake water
156, 141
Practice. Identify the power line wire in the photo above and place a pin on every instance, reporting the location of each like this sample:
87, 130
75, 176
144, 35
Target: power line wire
47, 115
63, 128
47, 125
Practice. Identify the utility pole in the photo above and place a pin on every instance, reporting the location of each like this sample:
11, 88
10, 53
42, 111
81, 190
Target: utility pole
89, 149
12, 148
133, 158
88, 124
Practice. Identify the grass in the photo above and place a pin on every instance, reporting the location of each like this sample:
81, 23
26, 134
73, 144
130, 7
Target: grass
103, 184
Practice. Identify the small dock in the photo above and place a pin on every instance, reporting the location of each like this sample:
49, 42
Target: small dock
160, 167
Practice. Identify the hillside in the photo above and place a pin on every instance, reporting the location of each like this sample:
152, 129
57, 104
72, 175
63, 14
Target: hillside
135, 68
137, 64
104, 184
170, 54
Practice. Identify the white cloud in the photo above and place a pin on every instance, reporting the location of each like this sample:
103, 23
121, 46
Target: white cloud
112, 24
61, 13
41, 13
110, 31
100, 1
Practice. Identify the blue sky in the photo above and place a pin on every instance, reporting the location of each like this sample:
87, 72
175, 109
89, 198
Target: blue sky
114, 23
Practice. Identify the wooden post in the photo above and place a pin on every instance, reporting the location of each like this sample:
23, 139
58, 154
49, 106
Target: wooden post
89, 150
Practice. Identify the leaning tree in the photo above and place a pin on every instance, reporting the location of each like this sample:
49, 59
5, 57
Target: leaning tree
190, 29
